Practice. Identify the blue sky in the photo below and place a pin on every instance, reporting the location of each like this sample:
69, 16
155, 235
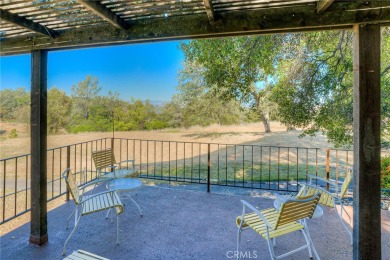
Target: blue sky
143, 71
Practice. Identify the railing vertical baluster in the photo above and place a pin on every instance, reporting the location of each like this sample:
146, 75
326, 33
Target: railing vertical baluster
140, 156
155, 154
307, 163
26, 182
192, 160
184, 161
297, 168
176, 160
67, 166
169, 161
60, 170
269, 167
75, 160
208, 168
316, 165
81, 164
252, 169
120, 150
147, 158
278, 168
127, 154
261, 166
235, 165
162, 159
86, 161
199, 163
4, 187
337, 168
226, 163
288, 168
16, 183
52, 175
218, 165
243, 166
347, 164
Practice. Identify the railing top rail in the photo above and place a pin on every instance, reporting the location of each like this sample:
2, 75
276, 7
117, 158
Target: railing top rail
187, 142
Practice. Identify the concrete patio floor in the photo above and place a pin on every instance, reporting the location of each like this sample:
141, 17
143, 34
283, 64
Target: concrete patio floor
180, 224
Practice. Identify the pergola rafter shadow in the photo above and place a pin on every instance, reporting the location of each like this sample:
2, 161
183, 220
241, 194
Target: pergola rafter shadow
37, 26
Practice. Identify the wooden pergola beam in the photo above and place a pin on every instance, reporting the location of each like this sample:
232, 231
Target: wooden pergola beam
105, 13
208, 5
28, 24
322, 5
255, 22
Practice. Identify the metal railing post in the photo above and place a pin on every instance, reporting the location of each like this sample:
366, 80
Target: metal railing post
67, 166
208, 168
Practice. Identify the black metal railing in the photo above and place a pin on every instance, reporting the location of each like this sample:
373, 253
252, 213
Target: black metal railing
15, 175
243, 165
211, 164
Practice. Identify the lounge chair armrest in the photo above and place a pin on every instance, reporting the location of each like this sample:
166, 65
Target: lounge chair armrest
280, 197
94, 182
126, 161
330, 181
246, 204
112, 192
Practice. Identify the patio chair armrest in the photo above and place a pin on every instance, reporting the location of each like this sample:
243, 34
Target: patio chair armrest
280, 197
329, 181
258, 213
126, 161
94, 182
321, 189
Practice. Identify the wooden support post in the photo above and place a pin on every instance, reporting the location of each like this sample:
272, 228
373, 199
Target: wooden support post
38, 232
366, 125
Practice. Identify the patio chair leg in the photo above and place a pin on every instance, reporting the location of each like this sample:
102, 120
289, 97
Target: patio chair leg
306, 231
67, 221
343, 223
271, 249
108, 213
139, 209
67, 240
308, 244
238, 239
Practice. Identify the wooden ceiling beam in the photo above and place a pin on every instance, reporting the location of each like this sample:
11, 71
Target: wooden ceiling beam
105, 13
208, 5
322, 5
25, 23
340, 15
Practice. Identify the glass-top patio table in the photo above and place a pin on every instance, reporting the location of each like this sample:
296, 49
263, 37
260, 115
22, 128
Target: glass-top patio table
124, 187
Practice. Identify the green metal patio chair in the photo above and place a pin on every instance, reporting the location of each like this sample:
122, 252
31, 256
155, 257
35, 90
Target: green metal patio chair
271, 223
331, 199
88, 204
107, 167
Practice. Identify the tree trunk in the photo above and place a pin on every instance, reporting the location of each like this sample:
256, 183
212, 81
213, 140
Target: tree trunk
266, 123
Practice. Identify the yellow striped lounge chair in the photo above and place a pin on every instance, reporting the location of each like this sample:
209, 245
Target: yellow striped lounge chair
84, 255
271, 223
107, 167
88, 204
330, 199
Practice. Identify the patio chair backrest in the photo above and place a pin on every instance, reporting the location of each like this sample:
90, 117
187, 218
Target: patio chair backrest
103, 158
72, 185
326, 198
296, 209
346, 183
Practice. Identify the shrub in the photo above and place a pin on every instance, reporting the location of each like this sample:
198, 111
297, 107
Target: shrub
13, 133
385, 172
